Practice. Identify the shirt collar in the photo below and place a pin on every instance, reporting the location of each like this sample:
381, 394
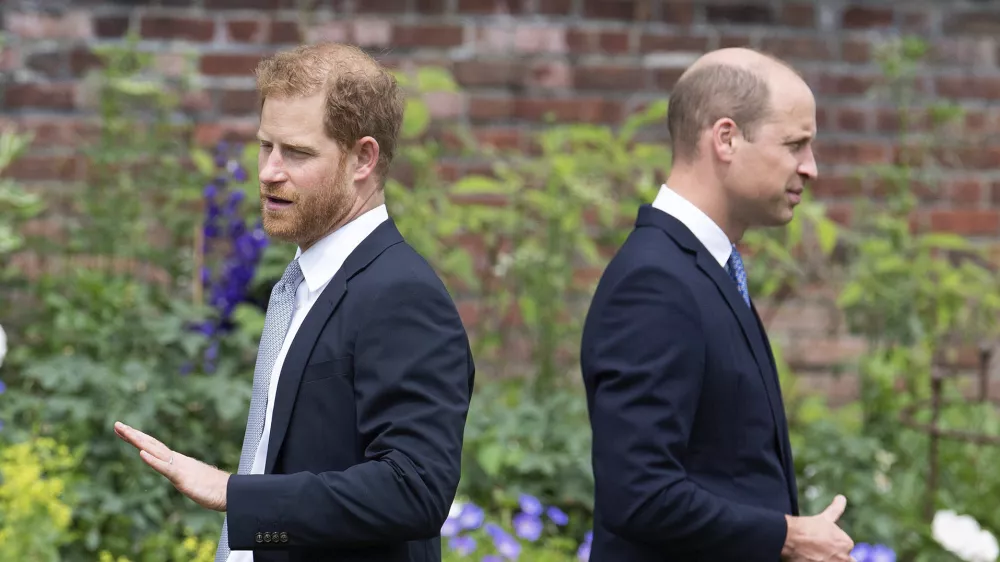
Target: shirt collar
323, 259
704, 228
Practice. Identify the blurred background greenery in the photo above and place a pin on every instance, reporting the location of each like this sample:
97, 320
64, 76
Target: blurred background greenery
150, 310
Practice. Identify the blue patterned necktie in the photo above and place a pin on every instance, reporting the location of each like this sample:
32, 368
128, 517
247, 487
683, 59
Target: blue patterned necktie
276, 321
738, 273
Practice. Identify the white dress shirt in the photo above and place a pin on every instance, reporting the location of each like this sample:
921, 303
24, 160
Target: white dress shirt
704, 229
319, 264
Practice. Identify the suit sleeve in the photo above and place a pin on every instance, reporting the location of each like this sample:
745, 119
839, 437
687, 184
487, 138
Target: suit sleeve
413, 384
648, 364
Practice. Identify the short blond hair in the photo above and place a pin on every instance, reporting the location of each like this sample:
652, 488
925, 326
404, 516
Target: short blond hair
362, 97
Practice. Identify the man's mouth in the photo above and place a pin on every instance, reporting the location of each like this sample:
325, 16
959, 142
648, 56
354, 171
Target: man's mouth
272, 202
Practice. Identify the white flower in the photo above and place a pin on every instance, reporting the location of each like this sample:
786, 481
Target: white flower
962, 536
3, 344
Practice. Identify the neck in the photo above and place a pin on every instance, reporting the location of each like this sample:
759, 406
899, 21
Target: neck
705, 192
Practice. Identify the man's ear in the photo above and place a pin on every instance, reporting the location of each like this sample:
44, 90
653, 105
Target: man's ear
366, 151
725, 137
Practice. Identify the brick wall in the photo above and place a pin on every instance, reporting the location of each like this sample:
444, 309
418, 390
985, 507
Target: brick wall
584, 60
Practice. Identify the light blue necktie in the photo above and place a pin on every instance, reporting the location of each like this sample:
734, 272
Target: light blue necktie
276, 321
738, 273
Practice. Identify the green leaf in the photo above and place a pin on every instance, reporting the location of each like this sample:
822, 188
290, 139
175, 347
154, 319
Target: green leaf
203, 161
416, 118
435, 79
944, 241
479, 185
826, 235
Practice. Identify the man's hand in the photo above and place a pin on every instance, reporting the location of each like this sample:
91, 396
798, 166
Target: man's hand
818, 538
204, 484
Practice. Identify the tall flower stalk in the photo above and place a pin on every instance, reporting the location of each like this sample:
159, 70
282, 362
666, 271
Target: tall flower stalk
239, 241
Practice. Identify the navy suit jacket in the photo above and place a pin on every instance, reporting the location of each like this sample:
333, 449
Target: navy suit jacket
366, 436
690, 443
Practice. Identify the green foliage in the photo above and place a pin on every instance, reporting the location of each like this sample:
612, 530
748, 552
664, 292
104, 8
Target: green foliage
113, 339
35, 503
517, 443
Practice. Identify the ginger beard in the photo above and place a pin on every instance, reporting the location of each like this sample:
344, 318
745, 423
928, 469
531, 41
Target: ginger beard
311, 213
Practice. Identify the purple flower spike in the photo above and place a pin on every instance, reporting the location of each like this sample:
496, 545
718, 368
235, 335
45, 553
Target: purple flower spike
530, 504
557, 516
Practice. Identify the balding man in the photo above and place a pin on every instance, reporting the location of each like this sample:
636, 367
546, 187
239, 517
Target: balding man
690, 444
364, 374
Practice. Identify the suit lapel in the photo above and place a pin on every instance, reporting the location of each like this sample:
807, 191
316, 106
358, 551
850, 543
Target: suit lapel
727, 288
383, 237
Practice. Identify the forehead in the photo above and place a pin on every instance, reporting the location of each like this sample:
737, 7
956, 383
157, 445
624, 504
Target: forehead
793, 109
298, 117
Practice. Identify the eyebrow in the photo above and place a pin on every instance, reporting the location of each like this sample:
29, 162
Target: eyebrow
297, 147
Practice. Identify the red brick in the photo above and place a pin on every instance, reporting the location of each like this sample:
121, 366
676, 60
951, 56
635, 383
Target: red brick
672, 42
487, 6
586, 110
967, 192
490, 108
677, 12
740, 40
502, 138
798, 14
166, 27
549, 74
608, 77
799, 48
499, 73
614, 42
82, 60
111, 27
857, 83
209, 134
285, 32
972, 23
971, 157
852, 119
248, 4
611, 9
741, 14
966, 222
33, 167
840, 213
851, 152
856, 50
34, 25
665, 78
834, 186
245, 31
858, 17
381, 7
968, 86
409, 36
229, 65
555, 7
49, 132
236, 102
430, 7
40, 96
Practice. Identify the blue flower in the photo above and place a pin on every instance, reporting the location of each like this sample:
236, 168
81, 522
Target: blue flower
492, 558
530, 505
557, 516
3, 387
527, 526
450, 528
472, 517
507, 545
463, 545
583, 553
864, 552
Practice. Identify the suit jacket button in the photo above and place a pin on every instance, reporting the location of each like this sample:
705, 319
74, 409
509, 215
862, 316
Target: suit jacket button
284, 537
260, 537
267, 537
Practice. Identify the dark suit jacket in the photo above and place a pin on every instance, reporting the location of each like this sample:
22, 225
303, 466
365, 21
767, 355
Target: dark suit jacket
364, 455
690, 453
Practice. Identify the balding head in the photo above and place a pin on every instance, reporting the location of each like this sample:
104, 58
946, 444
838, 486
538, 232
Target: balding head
734, 83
